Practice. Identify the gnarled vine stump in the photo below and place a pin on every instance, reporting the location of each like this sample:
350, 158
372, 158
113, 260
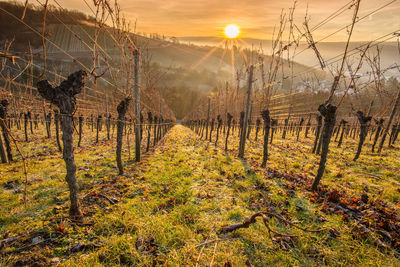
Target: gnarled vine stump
3, 115
229, 121
63, 96
122, 108
363, 131
328, 111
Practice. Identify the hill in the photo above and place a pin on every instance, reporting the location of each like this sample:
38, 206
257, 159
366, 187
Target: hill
187, 72
329, 50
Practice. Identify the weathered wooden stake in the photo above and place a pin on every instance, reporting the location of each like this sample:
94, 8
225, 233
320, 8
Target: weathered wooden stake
396, 104
80, 129
246, 115
208, 117
267, 125
3, 115
56, 123
150, 122
137, 105
229, 121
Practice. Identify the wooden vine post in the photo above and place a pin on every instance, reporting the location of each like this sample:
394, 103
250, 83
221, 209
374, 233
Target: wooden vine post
343, 122
80, 121
26, 118
150, 122
56, 123
137, 106
3, 115
379, 124
108, 125
2, 152
228, 121
63, 96
317, 133
386, 131
258, 122
3, 108
219, 121
267, 126
246, 115
208, 117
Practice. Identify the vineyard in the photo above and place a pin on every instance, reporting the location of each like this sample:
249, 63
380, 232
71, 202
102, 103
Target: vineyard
119, 148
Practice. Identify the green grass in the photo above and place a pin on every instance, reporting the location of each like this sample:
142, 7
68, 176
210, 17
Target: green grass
179, 197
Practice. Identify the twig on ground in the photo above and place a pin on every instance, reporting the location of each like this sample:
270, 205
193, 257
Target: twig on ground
252, 219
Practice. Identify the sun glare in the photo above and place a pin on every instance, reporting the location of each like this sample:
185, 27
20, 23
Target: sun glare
232, 31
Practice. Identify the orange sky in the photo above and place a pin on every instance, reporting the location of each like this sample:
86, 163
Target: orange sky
256, 18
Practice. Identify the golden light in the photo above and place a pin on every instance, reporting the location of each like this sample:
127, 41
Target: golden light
232, 31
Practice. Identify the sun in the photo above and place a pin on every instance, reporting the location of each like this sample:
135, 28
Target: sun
232, 31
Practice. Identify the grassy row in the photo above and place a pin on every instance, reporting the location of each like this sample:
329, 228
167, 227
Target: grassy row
172, 205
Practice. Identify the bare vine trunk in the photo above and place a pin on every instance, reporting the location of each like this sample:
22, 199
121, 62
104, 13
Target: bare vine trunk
63, 97
56, 122
150, 121
328, 111
122, 108
98, 122
317, 133
363, 131
211, 129
155, 131
219, 123
26, 126
48, 123
30, 121
299, 129
396, 104
343, 122
2, 152
108, 126
377, 133
274, 123
229, 121
267, 126
258, 122
307, 127
80, 121
3, 116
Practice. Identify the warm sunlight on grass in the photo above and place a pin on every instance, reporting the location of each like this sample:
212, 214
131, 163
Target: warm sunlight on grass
232, 31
